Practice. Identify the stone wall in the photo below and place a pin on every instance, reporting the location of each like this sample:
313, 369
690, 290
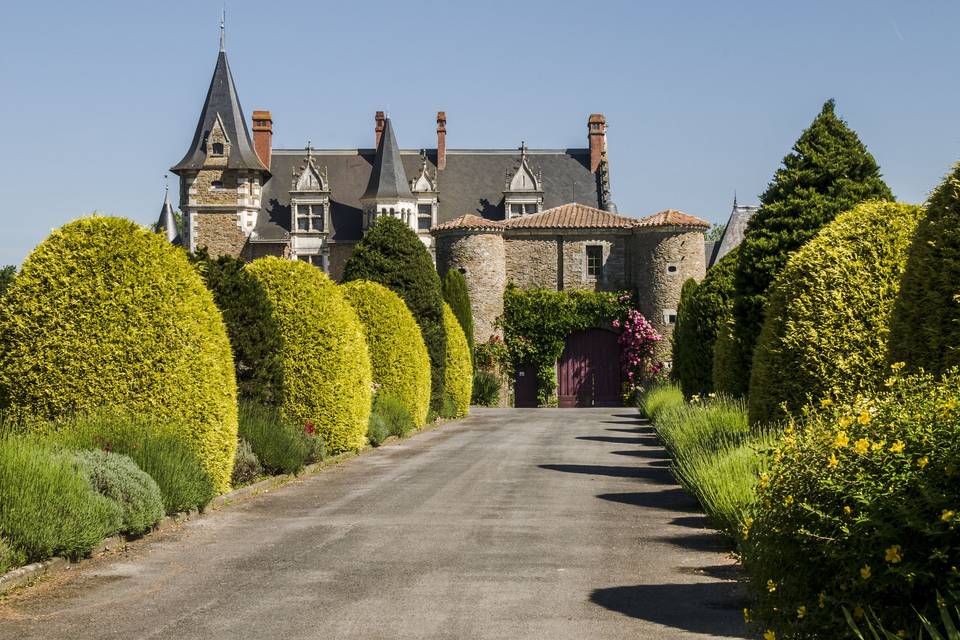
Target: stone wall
219, 233
340, 252
663, 259
615, 276
203, 193
480, 257
532, 261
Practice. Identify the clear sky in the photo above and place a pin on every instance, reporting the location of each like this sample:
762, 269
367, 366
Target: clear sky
703, 98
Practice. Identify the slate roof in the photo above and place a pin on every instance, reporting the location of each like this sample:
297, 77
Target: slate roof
222, 99
672, 218
472, 183
734, 232
571, 216
388, 180
167, 224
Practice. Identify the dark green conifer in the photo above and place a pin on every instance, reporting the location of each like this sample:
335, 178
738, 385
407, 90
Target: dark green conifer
456, 295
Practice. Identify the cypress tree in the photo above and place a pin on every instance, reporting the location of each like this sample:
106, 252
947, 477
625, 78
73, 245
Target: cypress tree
703, 309
456, 295
828, 171
391, 253
925, 326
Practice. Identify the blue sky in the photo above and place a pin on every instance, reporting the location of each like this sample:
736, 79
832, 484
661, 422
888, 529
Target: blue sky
702, 98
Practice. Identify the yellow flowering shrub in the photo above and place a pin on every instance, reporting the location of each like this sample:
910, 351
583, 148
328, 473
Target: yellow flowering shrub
859, 512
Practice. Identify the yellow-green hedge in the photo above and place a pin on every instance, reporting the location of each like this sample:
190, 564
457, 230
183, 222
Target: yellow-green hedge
106, 314
398, 355
326, 377
458, 375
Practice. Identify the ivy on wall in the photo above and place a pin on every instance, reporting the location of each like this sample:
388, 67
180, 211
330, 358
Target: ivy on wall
536, 323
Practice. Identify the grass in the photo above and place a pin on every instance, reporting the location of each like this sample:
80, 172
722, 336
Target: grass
281, 447
388, 417
717, 457
486, 389
153, 447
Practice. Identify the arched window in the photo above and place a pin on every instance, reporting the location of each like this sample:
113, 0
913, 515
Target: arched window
218, 148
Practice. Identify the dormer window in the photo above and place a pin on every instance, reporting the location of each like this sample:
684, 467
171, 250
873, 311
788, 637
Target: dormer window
217, 148
310, 217
523, 192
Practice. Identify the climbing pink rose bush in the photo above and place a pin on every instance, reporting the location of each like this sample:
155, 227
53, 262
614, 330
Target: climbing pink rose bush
638, 342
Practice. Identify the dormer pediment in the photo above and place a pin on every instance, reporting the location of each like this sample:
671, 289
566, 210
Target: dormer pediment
308, 178
424, 182
524, 178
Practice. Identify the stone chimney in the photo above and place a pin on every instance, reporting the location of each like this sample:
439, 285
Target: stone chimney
263, 136
597, 134
441, 140
379, 130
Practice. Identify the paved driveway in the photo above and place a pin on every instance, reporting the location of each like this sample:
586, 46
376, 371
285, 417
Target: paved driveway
512, 523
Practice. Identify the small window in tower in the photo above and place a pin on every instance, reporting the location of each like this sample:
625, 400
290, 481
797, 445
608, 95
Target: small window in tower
595, 261
673, 268
218, 148
670, 316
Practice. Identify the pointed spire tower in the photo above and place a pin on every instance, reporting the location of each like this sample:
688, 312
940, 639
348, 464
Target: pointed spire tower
388, 191
167, 224
221, 175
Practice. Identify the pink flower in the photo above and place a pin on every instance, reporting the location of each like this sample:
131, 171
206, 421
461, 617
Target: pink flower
616, 324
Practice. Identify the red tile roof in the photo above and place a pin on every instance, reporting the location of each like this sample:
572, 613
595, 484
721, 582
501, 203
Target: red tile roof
469, 222
672, 218
571, 216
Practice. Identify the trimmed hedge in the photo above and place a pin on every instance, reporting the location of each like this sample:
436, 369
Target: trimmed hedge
861, 512
250, 326
925, 326
828, 171
703, 309
456, 294
391, 254
105, 313
323, 355
458, 384
827, 317
117, 477
398, 355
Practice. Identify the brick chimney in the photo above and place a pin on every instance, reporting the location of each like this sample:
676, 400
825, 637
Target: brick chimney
441, 140
379, 130
263, 136
597, 134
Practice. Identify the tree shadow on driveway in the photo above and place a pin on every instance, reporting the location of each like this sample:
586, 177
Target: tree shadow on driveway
648, 440
672, 499
655, 474
656, 454
711, 608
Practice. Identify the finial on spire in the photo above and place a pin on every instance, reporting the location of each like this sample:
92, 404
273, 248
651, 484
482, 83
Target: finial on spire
223, 28
166, 187
734, 198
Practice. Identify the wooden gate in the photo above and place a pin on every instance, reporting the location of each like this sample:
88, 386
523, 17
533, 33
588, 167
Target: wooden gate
589, 370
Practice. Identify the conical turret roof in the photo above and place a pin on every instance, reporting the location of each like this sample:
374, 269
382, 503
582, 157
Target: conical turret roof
222, 102
167, 224
388, 180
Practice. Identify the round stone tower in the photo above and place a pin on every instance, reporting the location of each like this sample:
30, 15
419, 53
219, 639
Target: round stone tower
474, 246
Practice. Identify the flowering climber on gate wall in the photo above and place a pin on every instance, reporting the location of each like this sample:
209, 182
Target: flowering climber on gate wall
637, 344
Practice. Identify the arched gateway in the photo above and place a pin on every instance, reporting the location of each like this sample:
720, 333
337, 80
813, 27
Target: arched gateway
589, 370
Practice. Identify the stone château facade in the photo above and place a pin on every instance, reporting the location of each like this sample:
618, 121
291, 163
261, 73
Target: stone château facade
534, 217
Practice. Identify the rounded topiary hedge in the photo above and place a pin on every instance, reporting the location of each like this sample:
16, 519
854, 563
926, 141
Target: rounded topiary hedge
456, 294
398, 355
458, 383
925, 326
391, 254
826, 329
106, 314
323, 354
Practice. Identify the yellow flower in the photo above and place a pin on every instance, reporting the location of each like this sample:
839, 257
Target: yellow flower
845, 422
947, 515
858, 612
889, 382
746, 528
822, 599
771, 586
801, 611
877, 446
896, 366
841, 440
893, 555
861, 446
764, 480
847, 510
865, 572
826, 402
897, 447
746, 615
950, 404
788, 501
769, 634
832, 462
923, 461
864, 418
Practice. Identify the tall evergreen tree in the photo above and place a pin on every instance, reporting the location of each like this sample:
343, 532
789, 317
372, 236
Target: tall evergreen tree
7, 274
391, 253
828, 171
455, 294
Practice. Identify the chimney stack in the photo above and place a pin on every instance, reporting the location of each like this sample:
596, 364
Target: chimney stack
441, 140
379, 130
597, 134
263, 136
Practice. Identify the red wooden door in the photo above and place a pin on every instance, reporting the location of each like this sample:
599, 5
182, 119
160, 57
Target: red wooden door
525, 387
589, 370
